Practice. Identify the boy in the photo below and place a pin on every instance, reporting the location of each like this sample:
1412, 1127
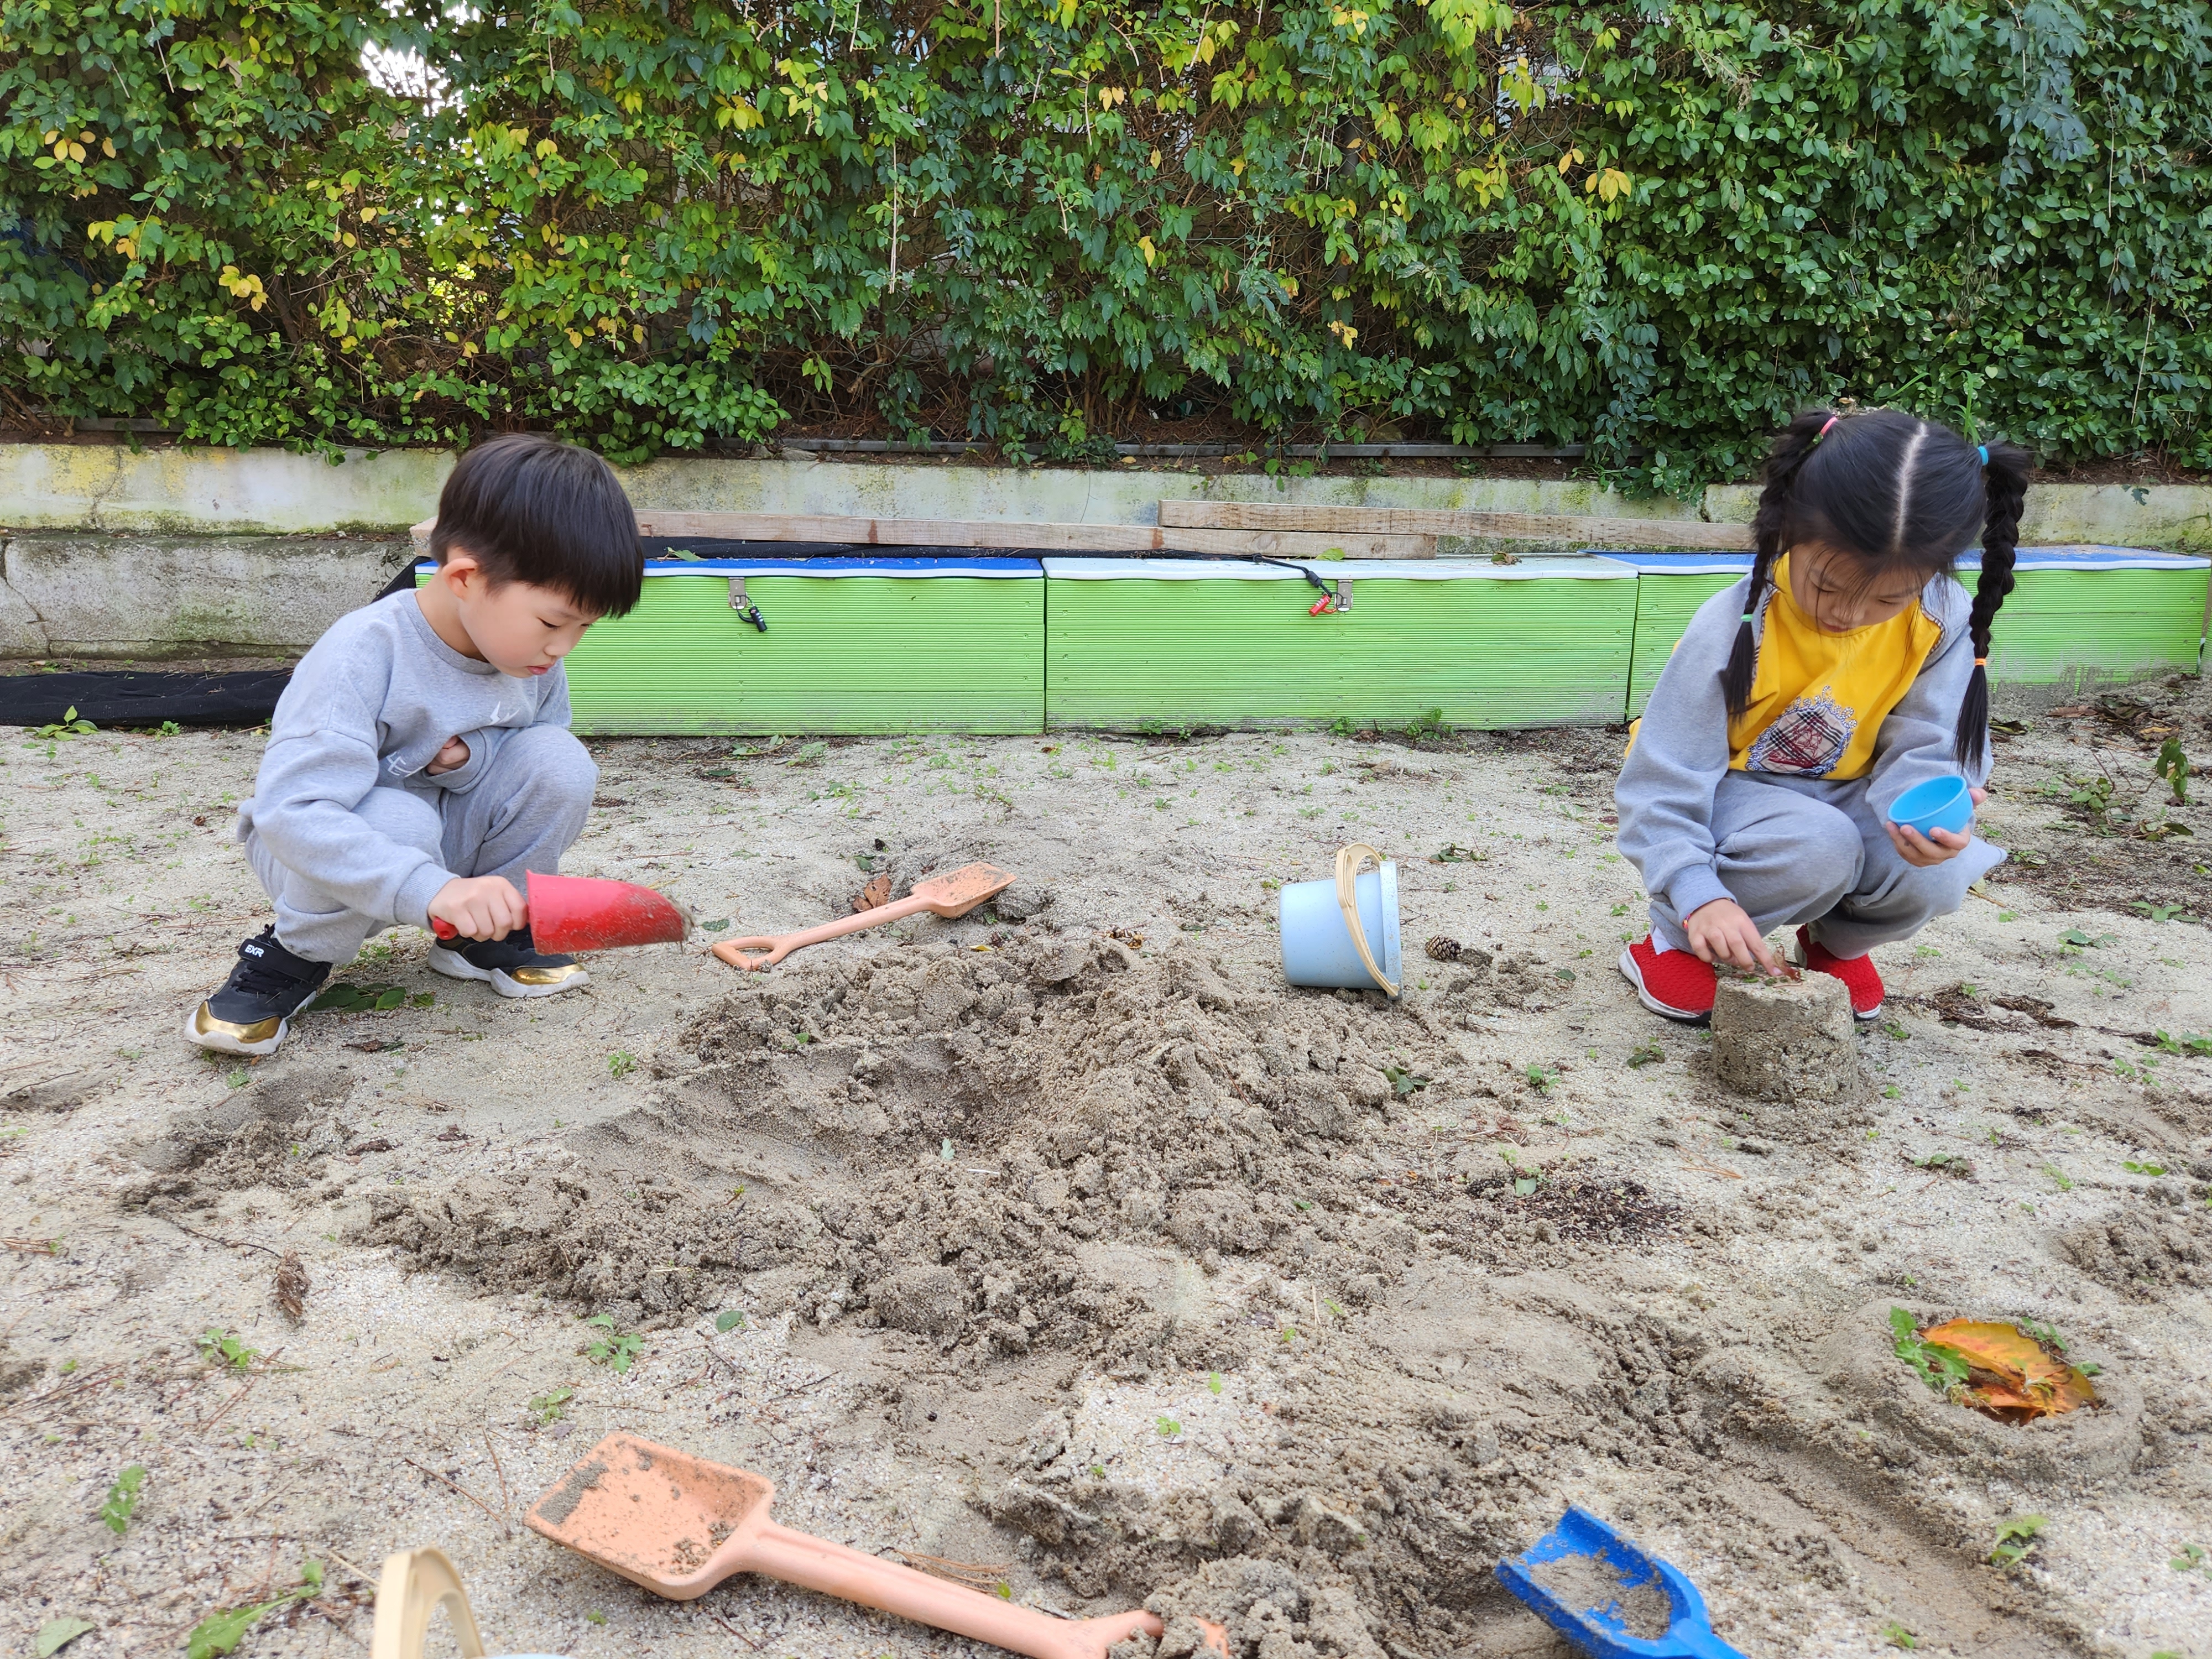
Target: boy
420, 762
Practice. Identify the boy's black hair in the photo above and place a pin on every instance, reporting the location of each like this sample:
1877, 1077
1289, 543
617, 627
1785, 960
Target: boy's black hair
1895, 494
530, 509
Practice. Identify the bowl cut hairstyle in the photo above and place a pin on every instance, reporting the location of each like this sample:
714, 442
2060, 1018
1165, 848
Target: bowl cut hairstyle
530, 509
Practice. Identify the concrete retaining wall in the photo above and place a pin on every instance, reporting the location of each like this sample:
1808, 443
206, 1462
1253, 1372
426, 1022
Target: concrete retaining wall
188, 552
149, 597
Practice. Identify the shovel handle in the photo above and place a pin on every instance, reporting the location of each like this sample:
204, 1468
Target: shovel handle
816, 1563
780, 945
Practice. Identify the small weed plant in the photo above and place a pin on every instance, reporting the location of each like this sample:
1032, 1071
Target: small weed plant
123, 1500
2016, 1539
221, 1632
221, 1348
550, 1407
617, 1350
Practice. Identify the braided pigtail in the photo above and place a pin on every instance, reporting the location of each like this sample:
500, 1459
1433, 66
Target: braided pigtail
2004, 477
1783, 462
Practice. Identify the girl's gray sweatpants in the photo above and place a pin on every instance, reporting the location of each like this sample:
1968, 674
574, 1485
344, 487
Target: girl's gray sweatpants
1810, 850
524, 811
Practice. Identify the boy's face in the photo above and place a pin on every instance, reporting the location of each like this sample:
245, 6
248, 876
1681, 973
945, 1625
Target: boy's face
518, 628
1831, 588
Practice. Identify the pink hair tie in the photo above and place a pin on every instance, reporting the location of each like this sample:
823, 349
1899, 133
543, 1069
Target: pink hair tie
1823, 432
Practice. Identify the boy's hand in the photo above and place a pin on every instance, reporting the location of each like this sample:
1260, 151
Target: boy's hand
1721, 932
454, 755
1934, 848
480, 907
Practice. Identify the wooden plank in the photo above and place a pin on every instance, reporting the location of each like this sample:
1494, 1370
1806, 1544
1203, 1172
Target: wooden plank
898, 532
1015, 534
1299, 544
1694, 534
1012, 535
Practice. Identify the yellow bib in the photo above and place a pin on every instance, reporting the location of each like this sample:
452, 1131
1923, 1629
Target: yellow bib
1818, 700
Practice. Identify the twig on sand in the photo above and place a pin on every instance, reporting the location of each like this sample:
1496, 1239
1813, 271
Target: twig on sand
735, 1632
227, 1243
251, 1382
505, 1498
79, 1385
368, 1578
462, 1490
977, 1574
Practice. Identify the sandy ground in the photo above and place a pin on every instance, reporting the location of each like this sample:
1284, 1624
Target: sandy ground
1070, 1245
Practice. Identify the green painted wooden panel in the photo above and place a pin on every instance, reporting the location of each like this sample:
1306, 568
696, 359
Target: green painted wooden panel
1486, 653
848, 654
2080, 627
1664, 605
2071, 628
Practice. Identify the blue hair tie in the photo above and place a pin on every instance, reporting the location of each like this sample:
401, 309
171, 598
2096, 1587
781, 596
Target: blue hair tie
1983, 450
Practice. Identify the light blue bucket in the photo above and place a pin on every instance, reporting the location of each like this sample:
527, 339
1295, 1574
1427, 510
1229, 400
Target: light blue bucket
1318, 947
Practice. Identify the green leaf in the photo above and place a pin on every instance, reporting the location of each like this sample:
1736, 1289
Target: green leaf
57, 1633
123, 1500
390, 998
221, 1633
728, 1320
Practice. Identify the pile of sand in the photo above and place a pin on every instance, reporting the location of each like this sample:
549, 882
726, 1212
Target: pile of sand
953, 1143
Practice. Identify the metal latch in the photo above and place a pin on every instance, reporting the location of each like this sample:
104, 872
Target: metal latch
1330, 605
744, 606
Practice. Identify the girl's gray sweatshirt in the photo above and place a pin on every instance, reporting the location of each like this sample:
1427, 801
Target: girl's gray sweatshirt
369, 707
1680, 753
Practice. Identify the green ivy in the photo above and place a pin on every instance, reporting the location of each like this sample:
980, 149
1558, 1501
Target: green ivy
654, 223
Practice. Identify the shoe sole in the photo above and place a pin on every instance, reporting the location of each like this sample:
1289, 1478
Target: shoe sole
1680, 1016
216, 1043
454, 965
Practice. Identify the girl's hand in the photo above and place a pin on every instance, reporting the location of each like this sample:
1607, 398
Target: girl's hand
1936, 847
1721, 932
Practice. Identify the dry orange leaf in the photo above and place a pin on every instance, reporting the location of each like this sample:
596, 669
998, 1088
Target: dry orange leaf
875, 895
2011, 1373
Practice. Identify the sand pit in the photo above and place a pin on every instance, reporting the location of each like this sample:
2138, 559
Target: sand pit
1064, 1248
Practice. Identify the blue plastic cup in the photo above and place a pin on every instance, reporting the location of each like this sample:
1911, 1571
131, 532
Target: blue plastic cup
1938, 804
1318, 947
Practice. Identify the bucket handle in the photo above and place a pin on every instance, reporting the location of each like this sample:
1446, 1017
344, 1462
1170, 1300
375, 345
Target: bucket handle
1348, 860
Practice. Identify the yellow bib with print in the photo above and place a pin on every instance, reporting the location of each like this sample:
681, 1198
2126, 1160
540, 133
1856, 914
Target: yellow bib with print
1818, 700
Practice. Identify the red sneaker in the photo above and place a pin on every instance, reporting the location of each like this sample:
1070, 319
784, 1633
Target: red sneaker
1671, 983
1857, 973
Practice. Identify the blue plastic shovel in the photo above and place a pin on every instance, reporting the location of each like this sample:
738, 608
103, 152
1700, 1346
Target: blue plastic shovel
1602, 1631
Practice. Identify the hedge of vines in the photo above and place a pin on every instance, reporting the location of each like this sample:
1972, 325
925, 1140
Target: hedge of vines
650, 223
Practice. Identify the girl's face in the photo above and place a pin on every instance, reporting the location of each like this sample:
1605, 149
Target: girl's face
1830, 586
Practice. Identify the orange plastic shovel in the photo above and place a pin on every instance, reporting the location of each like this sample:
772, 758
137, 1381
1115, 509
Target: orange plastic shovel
955, 895
679, 1525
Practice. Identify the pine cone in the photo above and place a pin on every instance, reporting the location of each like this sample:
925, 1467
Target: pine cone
1446, 950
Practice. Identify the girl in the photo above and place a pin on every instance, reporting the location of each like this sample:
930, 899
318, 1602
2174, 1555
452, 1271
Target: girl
1800, 702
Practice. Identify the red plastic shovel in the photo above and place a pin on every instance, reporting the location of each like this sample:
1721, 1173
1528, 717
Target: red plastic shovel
577, 913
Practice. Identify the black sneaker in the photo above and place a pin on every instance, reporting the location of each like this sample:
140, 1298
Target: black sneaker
252, 1013
514, 966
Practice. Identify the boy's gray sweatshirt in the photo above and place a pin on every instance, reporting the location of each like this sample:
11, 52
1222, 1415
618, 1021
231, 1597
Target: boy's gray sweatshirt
1665, 793
369, 708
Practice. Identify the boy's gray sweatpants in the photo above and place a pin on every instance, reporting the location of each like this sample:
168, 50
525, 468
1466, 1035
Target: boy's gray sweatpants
1810, 850
526, 809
